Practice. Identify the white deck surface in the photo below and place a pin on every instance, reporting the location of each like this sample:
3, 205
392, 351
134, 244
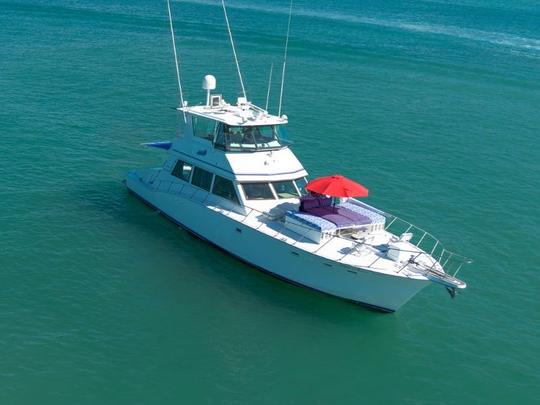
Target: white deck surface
336, 249
236, 115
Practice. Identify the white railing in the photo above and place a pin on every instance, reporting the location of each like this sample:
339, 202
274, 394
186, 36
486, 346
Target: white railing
428, 245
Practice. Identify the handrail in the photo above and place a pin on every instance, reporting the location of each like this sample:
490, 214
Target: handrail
420, 238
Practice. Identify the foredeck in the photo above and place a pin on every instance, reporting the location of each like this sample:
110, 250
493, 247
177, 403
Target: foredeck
425, 256
361, 254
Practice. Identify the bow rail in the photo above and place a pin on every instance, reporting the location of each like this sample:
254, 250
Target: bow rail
449, 261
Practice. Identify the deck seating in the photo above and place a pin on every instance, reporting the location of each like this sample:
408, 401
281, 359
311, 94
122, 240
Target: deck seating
318, 218
339, 215
312, 221
309, 202
377, 220
311, 227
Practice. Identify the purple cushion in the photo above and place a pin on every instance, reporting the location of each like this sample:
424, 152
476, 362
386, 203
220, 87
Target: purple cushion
325, 202
308, 204
358, 219
339, 220
342, 217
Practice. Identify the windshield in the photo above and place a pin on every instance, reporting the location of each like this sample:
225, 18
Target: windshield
285, 189
258, 191
254, 138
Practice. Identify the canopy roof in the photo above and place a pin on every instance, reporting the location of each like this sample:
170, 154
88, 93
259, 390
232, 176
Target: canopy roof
242, 114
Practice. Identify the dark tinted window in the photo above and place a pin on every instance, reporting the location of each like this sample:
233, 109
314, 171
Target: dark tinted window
203, 127
220, 139
224, 188
258, 191
285, 189
201, 178
247, 138
182, 170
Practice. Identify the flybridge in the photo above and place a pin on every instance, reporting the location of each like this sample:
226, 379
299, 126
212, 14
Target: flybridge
242, 114
243, 127
236, 115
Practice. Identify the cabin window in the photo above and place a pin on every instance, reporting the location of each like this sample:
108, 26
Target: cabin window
285, 189
202, 178
258, 191
301, 185
182, 170
224, 188
248, 138
220, 143
203, 128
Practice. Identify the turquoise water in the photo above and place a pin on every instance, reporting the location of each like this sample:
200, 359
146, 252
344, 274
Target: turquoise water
434, 105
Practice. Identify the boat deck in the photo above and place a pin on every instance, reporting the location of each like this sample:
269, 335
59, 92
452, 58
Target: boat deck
369, 252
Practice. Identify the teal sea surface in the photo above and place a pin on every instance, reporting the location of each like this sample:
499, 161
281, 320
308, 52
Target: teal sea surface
433, 105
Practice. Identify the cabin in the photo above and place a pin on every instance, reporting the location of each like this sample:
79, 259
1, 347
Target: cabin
239, 155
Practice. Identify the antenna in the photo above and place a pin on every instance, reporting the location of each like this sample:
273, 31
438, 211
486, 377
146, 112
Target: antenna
176, 60
269, 85
233, 49
285, 59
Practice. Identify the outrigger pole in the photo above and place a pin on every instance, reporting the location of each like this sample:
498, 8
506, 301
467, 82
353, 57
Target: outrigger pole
285, 59
176, 60
234, 49
269, 85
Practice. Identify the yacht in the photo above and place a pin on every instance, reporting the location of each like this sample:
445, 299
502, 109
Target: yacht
231, 179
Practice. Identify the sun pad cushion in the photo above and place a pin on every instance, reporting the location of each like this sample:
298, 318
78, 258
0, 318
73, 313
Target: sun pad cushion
342, 217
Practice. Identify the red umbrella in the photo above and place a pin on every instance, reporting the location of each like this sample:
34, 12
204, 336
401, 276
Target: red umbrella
337, 186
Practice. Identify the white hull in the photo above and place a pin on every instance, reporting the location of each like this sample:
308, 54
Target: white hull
382, 291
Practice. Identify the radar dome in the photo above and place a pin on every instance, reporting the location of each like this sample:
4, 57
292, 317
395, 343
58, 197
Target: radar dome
209, 82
